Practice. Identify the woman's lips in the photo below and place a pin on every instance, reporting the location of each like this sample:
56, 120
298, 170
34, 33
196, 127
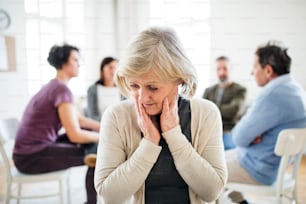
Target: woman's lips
148, 105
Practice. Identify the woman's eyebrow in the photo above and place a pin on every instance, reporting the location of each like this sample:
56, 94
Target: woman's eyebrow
147, 82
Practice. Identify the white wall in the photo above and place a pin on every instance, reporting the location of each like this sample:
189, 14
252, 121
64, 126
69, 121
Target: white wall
13, 85
109, 27
100, 36
238, 27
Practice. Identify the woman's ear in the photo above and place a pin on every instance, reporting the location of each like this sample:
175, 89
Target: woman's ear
101, 74
179, 82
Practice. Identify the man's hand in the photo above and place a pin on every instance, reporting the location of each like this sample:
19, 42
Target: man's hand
257, 140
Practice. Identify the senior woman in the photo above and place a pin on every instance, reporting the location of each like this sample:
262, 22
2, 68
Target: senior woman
159, 146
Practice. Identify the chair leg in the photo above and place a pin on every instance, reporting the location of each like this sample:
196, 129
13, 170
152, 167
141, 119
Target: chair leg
295, 196
19, 189
61, 194
68, 189
8, 193
279, 199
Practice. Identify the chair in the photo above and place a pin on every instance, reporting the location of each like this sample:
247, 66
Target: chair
8, 128
290, 147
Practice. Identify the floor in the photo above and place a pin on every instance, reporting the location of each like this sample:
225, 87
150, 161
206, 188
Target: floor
77, 189
302, 182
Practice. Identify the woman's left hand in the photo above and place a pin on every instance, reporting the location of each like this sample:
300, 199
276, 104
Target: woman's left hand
169, 117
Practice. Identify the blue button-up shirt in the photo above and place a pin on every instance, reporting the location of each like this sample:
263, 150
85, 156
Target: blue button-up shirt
280, 105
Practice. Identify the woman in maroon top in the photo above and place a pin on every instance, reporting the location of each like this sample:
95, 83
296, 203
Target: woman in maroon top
39, 148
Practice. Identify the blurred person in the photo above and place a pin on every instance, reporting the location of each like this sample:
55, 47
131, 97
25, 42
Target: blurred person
280, 105
38, 147
159, 146
229, 96
103, 92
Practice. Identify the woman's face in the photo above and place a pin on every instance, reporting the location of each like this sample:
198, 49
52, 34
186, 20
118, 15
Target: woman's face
109, 71
72, 65
150, 91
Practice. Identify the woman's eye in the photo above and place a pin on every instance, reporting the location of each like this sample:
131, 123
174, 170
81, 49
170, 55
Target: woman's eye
133, 86
152, 88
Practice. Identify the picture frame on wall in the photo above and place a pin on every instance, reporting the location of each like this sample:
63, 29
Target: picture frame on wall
7, 53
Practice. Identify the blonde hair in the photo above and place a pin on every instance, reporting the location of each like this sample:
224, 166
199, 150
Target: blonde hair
160, 50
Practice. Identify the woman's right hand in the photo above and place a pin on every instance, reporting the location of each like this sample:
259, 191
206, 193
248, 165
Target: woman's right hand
146, 125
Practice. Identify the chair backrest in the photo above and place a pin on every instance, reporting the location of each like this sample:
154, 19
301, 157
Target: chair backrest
8, 129
290, 146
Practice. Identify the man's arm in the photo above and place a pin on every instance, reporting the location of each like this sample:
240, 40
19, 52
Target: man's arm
209, 93
229, 111
261, 117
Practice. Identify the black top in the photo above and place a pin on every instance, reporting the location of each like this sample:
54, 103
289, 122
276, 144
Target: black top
164, 185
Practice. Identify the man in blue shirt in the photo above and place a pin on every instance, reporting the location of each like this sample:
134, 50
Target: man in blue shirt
280, 105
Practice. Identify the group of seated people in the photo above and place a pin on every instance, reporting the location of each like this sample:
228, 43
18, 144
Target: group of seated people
161, 144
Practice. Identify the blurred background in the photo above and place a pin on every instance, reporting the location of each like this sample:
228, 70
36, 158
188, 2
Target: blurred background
234, 28
207, 29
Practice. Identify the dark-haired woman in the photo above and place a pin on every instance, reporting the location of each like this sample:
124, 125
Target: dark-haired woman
38, 147
103, 92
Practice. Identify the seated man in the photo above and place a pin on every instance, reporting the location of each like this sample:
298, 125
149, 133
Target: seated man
280, 105
228, 96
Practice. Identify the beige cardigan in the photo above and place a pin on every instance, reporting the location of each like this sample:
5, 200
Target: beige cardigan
125, 159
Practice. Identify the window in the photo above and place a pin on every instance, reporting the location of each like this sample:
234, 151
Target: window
50, 22
190, 20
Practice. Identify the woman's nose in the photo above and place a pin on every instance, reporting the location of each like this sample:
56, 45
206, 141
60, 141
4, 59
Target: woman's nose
143, 95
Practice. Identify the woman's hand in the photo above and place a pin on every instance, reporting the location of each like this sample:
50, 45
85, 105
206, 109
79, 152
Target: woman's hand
169, 117
146, 125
